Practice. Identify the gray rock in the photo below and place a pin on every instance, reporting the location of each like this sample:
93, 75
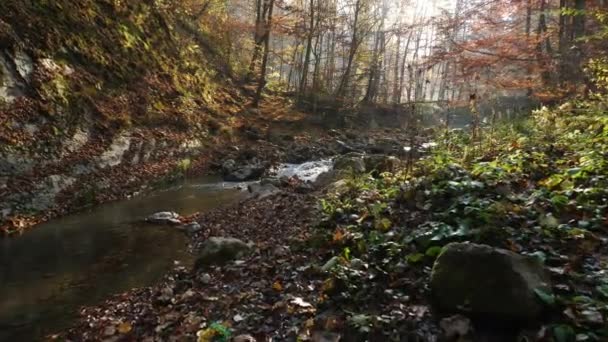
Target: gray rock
192, 228
261, 191
271, 181
115, 152
221, 250
344, 148
164, 217
350, 162
47, 191
228, 166
487, 281
246, 173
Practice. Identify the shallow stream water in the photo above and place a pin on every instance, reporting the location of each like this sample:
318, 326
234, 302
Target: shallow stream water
51, 271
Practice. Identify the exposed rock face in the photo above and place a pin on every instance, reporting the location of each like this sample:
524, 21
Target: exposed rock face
220, 250
488, 281
15, 72
113, 156
48, 190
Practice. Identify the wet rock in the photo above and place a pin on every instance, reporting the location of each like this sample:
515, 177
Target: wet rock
304, 188
487, 281
221, 250
272, 181
344, 148
306, 172
247, 173
300, 155
350, 162
228, 166
164, 217
192, 228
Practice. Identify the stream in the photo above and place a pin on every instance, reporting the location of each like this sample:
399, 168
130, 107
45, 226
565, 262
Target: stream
51, 271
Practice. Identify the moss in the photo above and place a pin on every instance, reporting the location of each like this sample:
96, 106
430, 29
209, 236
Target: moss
129, 59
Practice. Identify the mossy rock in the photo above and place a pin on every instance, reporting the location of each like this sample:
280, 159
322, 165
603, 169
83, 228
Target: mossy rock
380, 163
350, 162
489, 282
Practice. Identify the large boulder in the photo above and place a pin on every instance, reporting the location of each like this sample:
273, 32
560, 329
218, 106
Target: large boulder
350, 162
221, 250
489, 282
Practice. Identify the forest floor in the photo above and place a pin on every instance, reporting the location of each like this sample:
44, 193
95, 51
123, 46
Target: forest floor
353, 262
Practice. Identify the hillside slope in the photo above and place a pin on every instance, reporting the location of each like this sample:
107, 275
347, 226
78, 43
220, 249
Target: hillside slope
98, 95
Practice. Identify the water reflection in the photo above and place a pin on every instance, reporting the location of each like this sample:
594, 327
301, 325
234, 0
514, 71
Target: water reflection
52, 270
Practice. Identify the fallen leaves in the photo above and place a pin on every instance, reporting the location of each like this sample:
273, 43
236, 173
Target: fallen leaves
277, 286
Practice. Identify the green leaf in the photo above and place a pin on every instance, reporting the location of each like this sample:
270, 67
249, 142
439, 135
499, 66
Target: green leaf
564, 333
415, 258
546, 297
223, 331
383, 224
434, 251
559, 200
603, 290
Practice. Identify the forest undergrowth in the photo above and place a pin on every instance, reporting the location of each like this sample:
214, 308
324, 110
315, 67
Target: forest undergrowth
538, 187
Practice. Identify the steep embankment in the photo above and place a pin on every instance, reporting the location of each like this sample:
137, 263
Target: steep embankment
98, 97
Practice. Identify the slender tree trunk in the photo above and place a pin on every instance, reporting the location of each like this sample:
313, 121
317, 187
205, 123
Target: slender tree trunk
354, 46
257, 39
306, 65
267, 29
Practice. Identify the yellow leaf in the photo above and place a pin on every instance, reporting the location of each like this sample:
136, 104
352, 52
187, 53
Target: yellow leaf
338, 235
206, 335
277, 286
124, 328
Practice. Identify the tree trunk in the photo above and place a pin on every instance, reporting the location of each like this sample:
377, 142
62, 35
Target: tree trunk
267, 29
